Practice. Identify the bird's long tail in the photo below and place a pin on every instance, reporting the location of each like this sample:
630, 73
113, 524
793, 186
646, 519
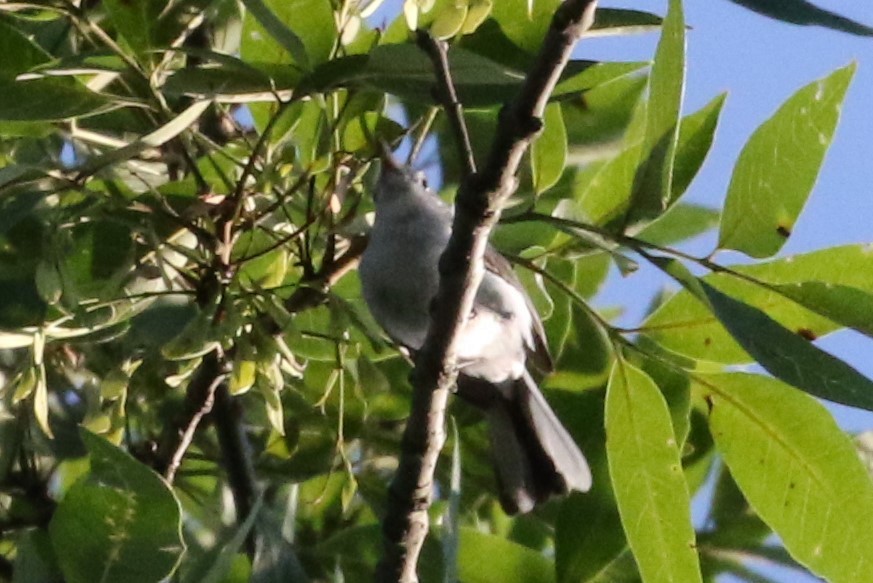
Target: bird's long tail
534, 456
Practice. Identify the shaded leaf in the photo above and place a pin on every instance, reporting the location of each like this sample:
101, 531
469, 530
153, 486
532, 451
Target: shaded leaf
47, 100
807, 13
789, 356
646, 472
404, 70
137, 22
778, 167
684, 325
20, 54
845, 305
119, 523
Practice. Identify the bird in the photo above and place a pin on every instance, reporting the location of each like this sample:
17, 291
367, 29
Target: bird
534, 456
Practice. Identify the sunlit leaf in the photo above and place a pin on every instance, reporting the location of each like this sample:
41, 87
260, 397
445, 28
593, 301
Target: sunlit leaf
485, 558
778, 167
797, 469
686, 326
619, 21
646, 473
653, 185
549, 151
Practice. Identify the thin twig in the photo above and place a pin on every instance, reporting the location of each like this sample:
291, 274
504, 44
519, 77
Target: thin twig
477, 209
199, 401
448, 97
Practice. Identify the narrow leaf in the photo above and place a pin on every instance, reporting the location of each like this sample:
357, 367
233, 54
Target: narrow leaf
653, 186
806, 13
157, 138
779, 165
136, 21
789, 356
549, 151
273, 25
845, 305
618, 21
681, 222
47, 100
647, 477
685, 325
696, 133
797, 469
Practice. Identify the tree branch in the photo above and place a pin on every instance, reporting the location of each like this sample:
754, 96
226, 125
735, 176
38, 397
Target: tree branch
198, 403
448, 97
477, 209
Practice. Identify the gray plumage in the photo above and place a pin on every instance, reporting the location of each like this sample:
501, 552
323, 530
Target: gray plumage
534, 456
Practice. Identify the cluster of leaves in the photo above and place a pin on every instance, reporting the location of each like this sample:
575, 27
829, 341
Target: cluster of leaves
182, 194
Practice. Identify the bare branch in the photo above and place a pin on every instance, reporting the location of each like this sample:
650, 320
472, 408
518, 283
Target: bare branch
198, 403
448, 97
477, 209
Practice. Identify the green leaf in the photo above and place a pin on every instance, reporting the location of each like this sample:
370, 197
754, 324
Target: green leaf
797, 469
549, 151
47, 100
154, 139
807, 13
303, 29
588, 531
485, 558
653, 185
600, 118
119, 523
789, 356
618, 21
20, 54
646, 472
525, 28
778, 167
197, 338
684, 325
232, 82
405, 71
580, 76
845, 305
696, 133
137, 22
683, 221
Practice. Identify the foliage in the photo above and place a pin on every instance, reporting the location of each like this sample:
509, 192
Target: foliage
183, 194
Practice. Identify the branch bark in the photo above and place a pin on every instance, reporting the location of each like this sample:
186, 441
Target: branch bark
477, 209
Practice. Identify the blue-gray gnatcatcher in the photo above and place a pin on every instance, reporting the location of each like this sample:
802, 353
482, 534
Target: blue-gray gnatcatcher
534, 456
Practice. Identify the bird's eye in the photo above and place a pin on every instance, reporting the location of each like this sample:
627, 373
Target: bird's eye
421, 179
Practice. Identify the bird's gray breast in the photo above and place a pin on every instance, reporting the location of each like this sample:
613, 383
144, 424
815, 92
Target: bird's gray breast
399, 273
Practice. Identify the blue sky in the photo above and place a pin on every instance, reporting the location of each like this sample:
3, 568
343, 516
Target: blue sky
760, 62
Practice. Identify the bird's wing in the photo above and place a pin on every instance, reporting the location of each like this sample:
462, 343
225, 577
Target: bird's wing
500, 266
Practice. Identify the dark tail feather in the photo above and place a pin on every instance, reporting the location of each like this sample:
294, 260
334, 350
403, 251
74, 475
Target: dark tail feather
534, 456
